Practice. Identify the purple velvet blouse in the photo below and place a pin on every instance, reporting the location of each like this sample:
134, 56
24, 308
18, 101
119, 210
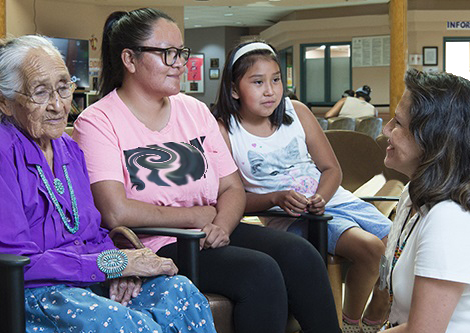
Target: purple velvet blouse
29, 223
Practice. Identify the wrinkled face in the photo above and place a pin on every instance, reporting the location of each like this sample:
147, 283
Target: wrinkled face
260, 90
43, 122
403, 153
151, 69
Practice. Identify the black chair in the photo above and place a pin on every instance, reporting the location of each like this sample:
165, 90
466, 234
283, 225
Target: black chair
12, 277
12, 313
317, 230
222, 307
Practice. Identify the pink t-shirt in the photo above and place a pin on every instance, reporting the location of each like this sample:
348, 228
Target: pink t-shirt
179, 166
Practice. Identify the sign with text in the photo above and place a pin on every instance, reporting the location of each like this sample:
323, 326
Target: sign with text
458, 25
371, 51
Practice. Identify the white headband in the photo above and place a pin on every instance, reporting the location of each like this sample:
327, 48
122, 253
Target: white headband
251, 47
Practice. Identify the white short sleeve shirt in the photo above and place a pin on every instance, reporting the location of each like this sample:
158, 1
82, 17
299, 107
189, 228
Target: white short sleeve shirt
437, 248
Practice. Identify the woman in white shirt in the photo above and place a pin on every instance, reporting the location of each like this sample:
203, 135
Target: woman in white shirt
427, 266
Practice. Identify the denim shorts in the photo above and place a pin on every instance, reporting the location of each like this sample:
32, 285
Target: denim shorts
347, 215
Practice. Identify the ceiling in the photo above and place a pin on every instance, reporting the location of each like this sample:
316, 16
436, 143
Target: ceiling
241, 13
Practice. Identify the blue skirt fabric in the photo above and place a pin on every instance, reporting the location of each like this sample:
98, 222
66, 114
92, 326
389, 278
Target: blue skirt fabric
165, 304
347, 215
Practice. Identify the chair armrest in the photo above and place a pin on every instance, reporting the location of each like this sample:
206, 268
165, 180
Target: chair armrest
12, 314
317, 230
380, 198
187, 248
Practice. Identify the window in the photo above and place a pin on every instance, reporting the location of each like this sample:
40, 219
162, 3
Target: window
457, 56
325, 72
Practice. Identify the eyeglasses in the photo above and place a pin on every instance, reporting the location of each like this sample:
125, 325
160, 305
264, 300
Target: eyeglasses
43, 95
170, 53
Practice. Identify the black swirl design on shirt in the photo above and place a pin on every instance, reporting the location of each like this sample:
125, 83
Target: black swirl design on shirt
179, 162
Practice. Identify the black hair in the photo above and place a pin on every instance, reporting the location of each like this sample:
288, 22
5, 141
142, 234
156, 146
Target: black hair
124, 30
348, 93
365, 93
439, 117
225, 105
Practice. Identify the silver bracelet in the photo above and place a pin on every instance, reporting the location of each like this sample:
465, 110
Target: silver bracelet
112, 263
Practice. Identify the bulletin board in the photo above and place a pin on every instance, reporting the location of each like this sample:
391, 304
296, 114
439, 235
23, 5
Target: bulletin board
371, 51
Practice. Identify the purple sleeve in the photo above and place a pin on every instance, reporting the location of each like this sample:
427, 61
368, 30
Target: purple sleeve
72, 263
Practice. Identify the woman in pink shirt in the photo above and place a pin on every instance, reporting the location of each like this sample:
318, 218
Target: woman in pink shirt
156, 158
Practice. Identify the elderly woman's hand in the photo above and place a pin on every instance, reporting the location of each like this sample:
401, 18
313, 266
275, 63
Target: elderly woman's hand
123, 289
144, 262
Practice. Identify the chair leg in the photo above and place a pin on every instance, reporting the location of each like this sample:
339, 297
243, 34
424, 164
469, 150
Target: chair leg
336, 281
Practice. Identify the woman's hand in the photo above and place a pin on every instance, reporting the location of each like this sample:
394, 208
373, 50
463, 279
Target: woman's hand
123, 289
216, 237
317, 204
291, 202
144, 262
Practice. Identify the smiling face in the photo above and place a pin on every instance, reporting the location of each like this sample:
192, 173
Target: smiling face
260, 90
150, 67
403, 153
42, 70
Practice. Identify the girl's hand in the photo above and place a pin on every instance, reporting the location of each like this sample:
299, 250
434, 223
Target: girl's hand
215, 237
123, 289
317, 204
291, 202
143, 262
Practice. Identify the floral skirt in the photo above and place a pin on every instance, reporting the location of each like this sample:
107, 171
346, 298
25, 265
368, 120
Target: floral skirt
165, 304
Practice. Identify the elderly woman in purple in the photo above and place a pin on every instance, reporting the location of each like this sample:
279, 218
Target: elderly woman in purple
47, 213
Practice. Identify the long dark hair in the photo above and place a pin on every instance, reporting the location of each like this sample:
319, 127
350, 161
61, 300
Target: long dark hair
124, 30
439, 122
225, 105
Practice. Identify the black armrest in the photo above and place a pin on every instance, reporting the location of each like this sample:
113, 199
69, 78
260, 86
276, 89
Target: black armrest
380, 198
12, 314
317, 230
187, 247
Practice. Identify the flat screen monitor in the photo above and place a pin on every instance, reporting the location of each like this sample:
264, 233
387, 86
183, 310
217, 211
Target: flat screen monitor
75, 54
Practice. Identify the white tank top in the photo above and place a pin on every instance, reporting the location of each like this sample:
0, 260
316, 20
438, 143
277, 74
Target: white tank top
278, 162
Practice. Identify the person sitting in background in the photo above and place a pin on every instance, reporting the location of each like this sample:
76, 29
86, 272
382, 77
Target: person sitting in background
47, 214
354, 107
428, 249
291, 95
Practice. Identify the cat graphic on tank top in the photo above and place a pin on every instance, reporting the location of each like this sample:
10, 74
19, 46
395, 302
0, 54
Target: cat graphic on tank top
282, 169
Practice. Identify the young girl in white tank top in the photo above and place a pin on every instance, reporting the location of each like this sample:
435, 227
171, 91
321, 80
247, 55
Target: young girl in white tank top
287, 163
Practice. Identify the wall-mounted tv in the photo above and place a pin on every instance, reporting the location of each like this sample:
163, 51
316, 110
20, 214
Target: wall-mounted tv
75, 54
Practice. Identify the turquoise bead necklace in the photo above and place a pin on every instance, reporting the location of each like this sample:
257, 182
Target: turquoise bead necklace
60, 189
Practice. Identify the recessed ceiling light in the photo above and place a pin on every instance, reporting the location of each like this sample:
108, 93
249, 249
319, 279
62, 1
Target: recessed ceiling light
186, 18
274, 0
198, 26
228, 14
238, 23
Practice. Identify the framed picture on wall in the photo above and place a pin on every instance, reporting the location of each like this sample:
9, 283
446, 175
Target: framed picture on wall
430, 55
194, 74
214, 62
213, 73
